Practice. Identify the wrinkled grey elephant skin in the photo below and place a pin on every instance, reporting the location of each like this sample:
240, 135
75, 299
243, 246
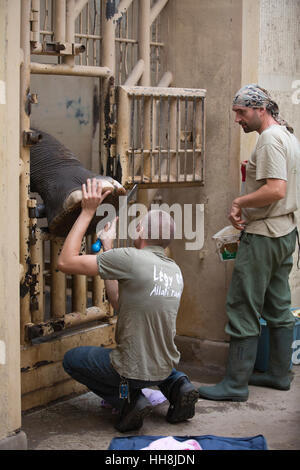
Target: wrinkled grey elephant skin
56, 175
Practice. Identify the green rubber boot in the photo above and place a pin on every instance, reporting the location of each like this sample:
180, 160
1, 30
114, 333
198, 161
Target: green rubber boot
234, 386
277, 375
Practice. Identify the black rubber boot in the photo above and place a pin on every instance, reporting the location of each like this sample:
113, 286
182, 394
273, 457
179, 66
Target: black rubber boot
133, 413
240, 363
277, 376
183, 398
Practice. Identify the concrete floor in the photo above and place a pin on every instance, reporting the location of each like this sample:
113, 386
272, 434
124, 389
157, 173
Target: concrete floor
80, 423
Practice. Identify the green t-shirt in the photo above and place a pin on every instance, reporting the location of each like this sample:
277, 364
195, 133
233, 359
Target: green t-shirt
276, 155
150, 287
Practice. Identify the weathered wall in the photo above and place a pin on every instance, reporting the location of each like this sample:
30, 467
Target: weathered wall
10, 394
279, 72
221, 46
68, 109
204, 50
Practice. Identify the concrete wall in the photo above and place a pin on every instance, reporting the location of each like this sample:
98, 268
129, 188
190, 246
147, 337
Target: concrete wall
68, 109
279, 72
10, 393
204, 50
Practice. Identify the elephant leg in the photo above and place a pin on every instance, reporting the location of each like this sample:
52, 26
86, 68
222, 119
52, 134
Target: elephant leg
57, 175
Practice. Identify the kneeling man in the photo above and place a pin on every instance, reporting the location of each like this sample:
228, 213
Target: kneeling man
145, 287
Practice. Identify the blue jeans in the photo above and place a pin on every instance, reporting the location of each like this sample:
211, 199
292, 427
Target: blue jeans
90, 365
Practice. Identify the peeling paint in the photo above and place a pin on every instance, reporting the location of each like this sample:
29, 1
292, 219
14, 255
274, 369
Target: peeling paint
78, 111
111, 9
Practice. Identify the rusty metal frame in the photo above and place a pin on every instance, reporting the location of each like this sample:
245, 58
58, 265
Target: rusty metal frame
145, 158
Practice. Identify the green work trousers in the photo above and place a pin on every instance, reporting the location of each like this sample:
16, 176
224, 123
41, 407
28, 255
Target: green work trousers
260, 284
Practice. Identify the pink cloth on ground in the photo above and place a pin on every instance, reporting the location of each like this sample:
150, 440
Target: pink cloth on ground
154, 396
169, 443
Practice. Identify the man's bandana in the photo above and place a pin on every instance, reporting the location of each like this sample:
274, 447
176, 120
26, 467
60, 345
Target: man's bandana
253, 96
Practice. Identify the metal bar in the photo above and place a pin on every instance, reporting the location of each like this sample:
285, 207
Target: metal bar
79, 5
74, 70
87, 39
164, 183
203, 139
66, 321
58, 281
70, 30
151, 137
166, 151
25, 157
194, 136
177, 136
142, 136
79, 293
97, 285
80, 27
35, 22
60, 21
46, 15
185, 137
168, 139
86, 35
166, 80
136, 73
108, 58
122, 8
160, 124
123, 134
173, 135
132, 136
165, 92
37, 259
144, 40
157, 9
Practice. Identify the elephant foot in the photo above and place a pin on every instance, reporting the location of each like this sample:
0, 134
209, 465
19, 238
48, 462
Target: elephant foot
61, 224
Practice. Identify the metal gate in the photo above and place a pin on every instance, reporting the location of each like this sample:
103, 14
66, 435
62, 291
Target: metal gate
154, 135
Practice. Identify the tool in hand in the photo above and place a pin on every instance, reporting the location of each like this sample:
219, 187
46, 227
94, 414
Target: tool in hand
96, 247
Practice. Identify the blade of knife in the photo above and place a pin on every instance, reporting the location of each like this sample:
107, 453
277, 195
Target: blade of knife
129, 196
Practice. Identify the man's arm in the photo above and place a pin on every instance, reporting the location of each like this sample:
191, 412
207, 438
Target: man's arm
70, 261
272, 191
107, 237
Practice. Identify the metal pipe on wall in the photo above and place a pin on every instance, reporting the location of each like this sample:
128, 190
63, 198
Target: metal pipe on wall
35, 22
79, 5
70, 30
25, 157
144, 54
60, 21
144, 41
108, 59
66, 69
156, 10
135, 74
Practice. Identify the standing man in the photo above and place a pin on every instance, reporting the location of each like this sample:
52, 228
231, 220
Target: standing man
145, 287
266, 217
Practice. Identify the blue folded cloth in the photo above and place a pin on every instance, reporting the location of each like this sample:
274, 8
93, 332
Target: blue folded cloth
207, 442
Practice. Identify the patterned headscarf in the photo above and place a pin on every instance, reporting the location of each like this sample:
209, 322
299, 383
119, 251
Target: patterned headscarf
254, 96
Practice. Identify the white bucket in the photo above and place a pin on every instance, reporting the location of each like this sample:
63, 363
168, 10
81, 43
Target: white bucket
227, 242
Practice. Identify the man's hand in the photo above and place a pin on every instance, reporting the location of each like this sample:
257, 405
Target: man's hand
92, 195
108, 234
235, 216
